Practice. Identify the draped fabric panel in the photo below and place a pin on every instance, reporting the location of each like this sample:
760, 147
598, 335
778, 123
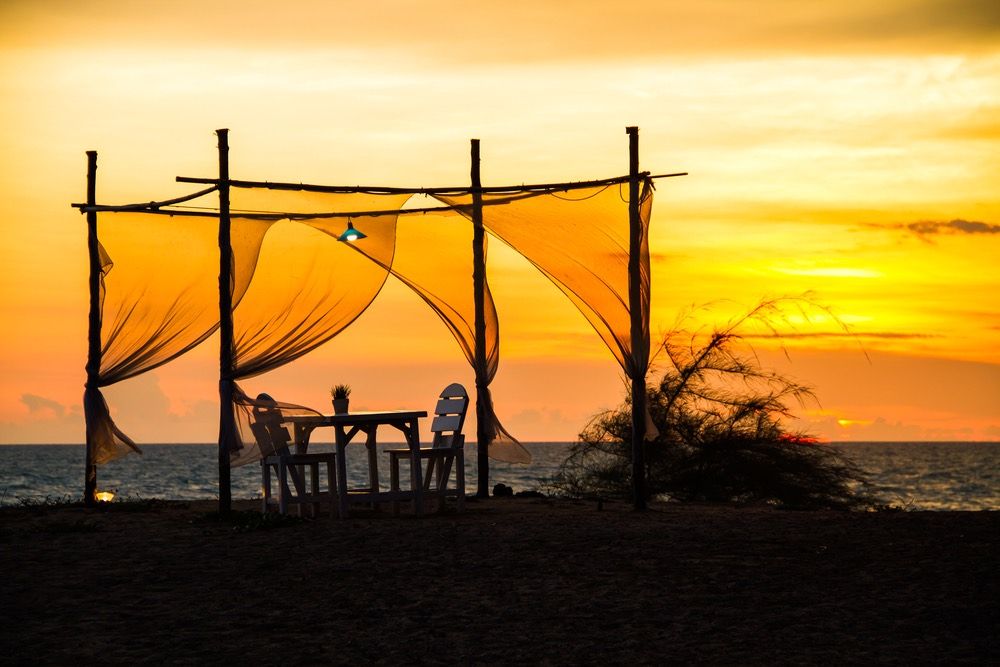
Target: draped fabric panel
579, 239
295, 286
434, 258
444, 283
161, 286
109, 443
257, 444
159, 298
307, 286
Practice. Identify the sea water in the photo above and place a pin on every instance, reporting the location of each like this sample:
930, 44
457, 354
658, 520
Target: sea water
927, 476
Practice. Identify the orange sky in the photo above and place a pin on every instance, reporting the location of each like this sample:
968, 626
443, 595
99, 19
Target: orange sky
848, 149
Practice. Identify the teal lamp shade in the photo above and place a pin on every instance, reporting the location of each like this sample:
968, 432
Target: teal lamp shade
351, 234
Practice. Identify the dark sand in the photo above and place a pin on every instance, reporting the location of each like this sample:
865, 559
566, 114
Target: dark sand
510, 581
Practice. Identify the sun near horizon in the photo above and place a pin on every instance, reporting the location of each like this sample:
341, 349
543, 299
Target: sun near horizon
847, 151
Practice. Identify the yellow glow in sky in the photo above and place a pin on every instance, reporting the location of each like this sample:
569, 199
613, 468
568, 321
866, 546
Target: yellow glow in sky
849, 150
831, 272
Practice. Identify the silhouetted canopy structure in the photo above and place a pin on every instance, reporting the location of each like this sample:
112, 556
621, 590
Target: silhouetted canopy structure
290, 283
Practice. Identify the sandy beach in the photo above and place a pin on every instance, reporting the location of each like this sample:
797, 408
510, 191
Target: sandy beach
510, 581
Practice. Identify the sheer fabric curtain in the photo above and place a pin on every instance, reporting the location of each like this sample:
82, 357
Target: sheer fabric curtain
159, 299
579, 239
295, 286
307, 286
434, 259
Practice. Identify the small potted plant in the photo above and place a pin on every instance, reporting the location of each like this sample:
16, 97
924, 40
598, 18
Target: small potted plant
341, 396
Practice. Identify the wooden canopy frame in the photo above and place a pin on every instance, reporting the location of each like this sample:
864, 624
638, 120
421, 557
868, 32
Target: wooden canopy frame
223, 183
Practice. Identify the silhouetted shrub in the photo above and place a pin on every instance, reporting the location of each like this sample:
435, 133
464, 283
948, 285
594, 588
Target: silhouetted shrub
721, 435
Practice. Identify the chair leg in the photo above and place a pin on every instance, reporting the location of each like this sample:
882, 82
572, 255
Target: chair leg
460, 478
394, 481
265, 482
431, 463
331, 478
444, 473
372, 466
283, 491
297, 474
301, 490
314, 471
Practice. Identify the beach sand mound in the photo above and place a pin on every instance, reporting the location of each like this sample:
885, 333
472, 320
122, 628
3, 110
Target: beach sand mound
509, 581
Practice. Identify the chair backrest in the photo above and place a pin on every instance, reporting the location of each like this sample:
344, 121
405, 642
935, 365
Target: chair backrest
271, 436
449, 417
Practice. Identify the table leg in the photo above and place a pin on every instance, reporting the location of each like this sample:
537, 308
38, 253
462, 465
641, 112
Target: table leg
283, 490
302, 433
416, 474
265, 471
341, 443
394, 481
314, 487
373, 481
331, 476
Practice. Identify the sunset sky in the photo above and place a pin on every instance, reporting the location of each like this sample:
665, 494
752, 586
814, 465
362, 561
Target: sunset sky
850, 150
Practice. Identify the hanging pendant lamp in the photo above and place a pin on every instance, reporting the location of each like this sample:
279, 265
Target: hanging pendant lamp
351, 234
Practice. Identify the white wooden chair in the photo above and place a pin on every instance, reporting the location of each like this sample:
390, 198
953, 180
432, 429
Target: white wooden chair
273, 440
447, 449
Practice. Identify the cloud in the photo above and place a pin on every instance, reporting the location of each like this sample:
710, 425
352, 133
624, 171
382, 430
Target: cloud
981, 124
501, 32
836, 429
953, 227
916, 19
39, 406
881, 335
139, 406
666, 257
48, 421
142, 409
925, 228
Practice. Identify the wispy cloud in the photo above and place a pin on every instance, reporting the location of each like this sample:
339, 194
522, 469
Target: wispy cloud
953, 227
925, 228
39, 405
881, 335
980, 124
499, 31
830, 272
665, 257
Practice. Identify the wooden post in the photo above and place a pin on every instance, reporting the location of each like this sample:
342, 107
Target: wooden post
479, 285
94, 327
637, 314
227, 419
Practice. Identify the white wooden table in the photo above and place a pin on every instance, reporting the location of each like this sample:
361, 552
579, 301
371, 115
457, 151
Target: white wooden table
346, 427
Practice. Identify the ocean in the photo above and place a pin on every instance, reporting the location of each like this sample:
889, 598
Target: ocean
912, 475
